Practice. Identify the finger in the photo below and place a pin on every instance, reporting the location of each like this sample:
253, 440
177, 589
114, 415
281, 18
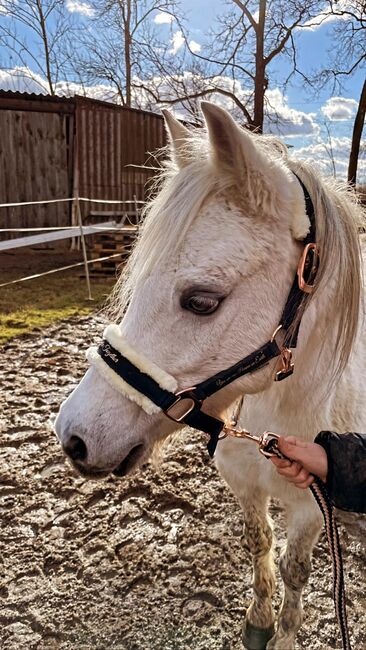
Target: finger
292, 440
301, 477
279, 462
297, 480
291, 471
292, 447
306, 483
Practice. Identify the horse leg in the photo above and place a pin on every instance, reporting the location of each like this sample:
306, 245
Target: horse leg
259, 620
304, 525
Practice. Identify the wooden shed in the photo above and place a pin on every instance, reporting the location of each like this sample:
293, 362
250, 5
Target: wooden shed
57, 147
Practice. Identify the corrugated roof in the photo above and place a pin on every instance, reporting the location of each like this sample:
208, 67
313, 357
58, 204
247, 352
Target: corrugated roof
16, 94
33, 101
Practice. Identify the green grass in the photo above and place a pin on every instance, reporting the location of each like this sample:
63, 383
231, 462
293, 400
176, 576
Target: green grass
38, 303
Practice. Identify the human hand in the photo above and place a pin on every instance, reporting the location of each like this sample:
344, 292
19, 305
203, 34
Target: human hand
306, 459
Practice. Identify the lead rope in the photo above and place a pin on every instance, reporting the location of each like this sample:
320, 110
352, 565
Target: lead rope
268, 446
321, 495
322, 498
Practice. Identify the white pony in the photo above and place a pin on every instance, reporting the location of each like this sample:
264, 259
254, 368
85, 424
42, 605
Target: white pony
204, 287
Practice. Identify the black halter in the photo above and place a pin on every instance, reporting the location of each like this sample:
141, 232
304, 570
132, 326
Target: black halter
185, 406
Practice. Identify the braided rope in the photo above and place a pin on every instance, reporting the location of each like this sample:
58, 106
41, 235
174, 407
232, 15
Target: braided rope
321, 496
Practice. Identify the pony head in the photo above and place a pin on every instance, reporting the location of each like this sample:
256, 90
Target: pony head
204, 287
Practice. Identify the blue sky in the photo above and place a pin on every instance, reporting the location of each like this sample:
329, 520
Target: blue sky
338, 110
302, 113
313, 50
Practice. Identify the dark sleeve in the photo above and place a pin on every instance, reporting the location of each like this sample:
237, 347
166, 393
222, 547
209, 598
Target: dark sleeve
346, 478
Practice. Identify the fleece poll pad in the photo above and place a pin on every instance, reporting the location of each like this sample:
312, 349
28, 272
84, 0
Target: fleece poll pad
114, 336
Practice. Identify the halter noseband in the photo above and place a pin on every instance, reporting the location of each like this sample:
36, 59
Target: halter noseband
155, 390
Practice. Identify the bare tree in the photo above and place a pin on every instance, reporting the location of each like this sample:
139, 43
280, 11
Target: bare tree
32, 32
241, 49
328, 146
347, 56
348, 42
118, 44
356, 137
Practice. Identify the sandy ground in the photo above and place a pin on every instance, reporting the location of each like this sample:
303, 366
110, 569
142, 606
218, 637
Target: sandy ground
152, 562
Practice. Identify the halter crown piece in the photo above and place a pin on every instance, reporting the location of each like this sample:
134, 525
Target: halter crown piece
154, 390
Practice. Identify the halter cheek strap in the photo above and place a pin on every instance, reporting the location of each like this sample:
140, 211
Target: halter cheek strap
154, 390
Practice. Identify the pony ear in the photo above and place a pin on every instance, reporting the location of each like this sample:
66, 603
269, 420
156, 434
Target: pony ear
178, 136
235, 150
232, 147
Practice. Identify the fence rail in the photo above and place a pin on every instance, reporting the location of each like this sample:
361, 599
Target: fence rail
71, 232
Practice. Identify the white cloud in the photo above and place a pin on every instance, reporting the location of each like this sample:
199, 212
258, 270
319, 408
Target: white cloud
285, 121
325, 16
4, 5
99, 91
22, 80
319, 154
177, 41
339, 108
25, 81
79, 7
162, 18
195, 47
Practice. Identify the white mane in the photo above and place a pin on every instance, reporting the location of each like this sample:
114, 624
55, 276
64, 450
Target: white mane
180, 193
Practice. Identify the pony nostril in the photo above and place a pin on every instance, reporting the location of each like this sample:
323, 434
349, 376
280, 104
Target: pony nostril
76, 448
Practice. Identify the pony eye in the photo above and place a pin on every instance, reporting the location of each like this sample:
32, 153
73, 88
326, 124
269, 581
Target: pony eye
201, 304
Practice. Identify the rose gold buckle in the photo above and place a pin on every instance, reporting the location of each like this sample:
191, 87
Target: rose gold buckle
287, 366
311, 270
185, 403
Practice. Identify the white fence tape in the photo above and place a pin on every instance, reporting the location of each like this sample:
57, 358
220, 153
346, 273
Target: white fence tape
80, 198
32, 240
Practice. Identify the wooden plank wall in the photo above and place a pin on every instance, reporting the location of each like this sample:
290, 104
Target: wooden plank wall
109, 140
33, 163
37, 162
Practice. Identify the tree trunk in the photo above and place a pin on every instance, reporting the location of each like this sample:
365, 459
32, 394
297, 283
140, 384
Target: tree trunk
42, 23
356, 137
259, 84
127, 36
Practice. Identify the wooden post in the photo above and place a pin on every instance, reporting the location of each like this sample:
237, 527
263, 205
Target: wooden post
83, 246
75, 190
137, 217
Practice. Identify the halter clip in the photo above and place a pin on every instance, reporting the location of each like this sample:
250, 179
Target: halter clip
267, 442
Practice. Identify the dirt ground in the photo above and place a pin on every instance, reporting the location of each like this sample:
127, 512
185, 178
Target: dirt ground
151, 562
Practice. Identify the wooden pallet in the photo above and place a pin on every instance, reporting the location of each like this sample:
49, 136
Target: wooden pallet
109, 243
